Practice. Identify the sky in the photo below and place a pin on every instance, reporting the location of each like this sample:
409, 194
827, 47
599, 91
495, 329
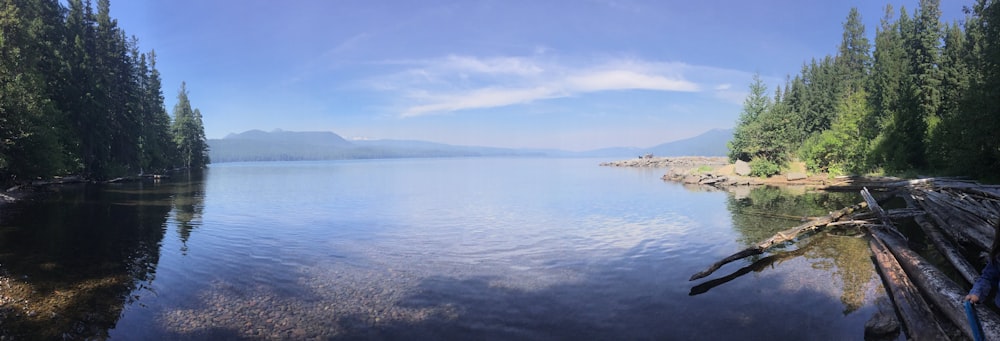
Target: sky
574, 75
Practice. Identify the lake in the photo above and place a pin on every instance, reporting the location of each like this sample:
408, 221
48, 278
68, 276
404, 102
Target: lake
421, 249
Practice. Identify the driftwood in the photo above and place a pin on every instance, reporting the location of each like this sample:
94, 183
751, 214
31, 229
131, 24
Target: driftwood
779, 238
957, 217
944, 246
913, 310
948, 249
955, 227
934, 285
938, 288
757, 266
964, 211
859, 184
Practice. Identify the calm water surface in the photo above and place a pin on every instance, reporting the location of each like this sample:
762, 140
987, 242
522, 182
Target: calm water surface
425, 249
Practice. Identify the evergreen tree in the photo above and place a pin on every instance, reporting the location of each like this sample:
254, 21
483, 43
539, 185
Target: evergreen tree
743, 146
160, 150
76, 96
29, 144
853, 59
189, 133
899, 144
925, 75
839, 150
822, 95
978, 151
948, 138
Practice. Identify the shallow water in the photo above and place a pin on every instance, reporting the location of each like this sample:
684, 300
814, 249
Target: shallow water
478, 248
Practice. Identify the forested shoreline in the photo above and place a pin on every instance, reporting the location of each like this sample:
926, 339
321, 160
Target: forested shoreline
77, 97
924, 98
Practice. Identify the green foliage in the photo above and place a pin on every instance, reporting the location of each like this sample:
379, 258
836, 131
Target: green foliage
76, 96
745, 142
853, 58
762, 167
927, 99
839, 150
189, 132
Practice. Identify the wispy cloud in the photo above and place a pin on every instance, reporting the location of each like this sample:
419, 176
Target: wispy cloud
479, 98
456, 83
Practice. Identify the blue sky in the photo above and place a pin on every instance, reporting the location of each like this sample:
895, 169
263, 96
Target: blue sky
574, 75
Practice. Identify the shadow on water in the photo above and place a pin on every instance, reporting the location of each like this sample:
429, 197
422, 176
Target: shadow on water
71, 257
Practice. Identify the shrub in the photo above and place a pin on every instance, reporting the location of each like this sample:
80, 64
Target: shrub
763, 167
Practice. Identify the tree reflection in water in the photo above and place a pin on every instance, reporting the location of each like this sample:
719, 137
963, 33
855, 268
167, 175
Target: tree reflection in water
843, 254
71, 257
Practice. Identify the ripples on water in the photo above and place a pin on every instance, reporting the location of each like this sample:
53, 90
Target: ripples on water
432, 249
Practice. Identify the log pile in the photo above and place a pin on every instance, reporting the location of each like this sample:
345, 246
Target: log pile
959, 218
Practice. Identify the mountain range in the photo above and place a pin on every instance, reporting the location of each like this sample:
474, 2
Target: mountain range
280, 145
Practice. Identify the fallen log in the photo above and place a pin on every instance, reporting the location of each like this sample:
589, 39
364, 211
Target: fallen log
971, 187
948, 249
856, 185
971, 214
757, 266
941, 290
943, 244
943, 293
779, 238
913, 310
955, 226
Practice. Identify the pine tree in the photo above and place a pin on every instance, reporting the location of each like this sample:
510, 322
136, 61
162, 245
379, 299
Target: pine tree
29, 142
743, 146
76, 96
925, 73
853, 59
160, 148
945, 142
189, 133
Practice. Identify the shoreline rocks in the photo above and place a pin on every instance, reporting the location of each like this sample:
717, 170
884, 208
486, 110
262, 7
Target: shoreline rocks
717, 172
664, 162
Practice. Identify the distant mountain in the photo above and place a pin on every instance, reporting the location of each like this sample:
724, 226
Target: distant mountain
710, 143
308, 138
278, 145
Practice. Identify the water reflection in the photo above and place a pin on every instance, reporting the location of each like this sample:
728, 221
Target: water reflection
843, 254
70, 258
189, 204
766, 210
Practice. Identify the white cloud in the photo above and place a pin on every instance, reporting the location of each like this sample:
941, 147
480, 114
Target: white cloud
503, 65
456, 83
480, 98
627, 80
722, 87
